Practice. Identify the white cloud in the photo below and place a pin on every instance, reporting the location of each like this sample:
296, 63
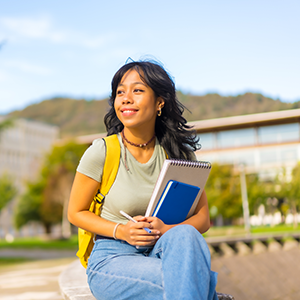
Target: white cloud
95, 42
39, 28
27, 67
44, 28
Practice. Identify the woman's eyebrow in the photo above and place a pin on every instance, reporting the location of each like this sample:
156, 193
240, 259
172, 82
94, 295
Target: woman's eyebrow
134, 83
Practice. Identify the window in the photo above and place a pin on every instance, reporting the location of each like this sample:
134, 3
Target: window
236, 138
278, 133
207, 141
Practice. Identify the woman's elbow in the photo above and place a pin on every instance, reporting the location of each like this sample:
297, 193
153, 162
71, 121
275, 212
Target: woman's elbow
71, 216
205, 226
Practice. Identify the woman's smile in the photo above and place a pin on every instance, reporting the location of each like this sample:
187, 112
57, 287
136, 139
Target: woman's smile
127, 112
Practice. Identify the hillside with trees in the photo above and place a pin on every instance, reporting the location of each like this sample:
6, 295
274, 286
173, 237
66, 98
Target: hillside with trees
80, 117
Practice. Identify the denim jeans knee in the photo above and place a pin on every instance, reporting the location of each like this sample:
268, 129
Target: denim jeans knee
178, 267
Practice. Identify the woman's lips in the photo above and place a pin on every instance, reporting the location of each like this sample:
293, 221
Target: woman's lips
128, 112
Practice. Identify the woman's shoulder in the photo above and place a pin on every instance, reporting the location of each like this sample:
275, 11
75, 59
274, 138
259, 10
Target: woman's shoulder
98, 143
92, 161
97, 148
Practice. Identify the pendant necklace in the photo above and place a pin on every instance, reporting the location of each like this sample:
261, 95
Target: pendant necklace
137, 145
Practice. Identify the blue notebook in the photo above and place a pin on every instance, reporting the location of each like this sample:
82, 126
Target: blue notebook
187, 173
175, 202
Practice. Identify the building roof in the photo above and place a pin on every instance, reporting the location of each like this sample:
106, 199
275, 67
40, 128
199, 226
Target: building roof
251, 120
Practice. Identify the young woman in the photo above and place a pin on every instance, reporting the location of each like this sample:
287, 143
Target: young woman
173, 261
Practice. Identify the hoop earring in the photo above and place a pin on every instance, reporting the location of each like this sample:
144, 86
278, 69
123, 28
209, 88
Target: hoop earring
159, 112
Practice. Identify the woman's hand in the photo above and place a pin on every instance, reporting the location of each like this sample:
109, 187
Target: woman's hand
158, 224
136, 235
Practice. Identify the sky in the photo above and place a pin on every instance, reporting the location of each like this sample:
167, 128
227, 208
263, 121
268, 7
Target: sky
73, 48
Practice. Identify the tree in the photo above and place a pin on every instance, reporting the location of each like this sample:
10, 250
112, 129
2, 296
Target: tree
294, 192
282, 193
6, 124
258, 191
7, 190
223, 191
28, 208
47, 199
58, 172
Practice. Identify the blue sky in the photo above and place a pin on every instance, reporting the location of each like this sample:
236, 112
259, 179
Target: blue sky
73, 48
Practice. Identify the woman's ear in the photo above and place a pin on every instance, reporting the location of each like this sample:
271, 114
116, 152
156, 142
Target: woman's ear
160, 102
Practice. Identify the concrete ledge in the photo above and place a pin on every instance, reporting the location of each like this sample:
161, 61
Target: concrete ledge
73, 284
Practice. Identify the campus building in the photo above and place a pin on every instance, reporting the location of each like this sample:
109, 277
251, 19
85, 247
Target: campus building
22, 149
263, 142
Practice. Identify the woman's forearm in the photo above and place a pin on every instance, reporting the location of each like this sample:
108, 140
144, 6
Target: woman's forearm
89, 221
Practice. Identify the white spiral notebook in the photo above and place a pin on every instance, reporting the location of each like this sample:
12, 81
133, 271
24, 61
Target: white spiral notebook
189, 172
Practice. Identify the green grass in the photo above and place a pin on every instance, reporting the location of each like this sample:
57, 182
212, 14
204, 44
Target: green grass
38, 243
8, 261
275, 229
240, 230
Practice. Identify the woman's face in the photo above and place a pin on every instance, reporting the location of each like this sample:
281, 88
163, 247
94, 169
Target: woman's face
135, 104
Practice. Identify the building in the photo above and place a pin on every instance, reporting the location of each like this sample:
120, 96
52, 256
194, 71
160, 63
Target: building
22, 148
263, 142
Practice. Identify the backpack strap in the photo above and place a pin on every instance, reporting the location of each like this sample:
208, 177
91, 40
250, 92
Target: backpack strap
109, 173
110, 170
111, 165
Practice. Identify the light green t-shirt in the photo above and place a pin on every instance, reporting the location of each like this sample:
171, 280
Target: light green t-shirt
132, 188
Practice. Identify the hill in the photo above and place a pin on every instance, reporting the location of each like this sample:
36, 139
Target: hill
79, 116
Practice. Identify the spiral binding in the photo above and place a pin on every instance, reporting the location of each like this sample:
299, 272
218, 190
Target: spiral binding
190, 163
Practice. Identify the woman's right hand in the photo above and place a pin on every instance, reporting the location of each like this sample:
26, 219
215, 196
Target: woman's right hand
136, 235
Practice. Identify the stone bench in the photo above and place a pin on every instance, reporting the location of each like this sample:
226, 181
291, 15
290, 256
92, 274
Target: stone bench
73, 284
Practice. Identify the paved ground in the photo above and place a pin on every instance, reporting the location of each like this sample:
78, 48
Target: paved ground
36, 280
264, 276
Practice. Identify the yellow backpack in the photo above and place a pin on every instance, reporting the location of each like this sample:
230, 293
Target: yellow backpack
110, 169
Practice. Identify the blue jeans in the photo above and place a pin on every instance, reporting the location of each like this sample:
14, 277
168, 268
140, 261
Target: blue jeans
177, 267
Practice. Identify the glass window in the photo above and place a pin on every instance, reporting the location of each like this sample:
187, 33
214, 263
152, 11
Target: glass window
207, 140
278, 133
236, 138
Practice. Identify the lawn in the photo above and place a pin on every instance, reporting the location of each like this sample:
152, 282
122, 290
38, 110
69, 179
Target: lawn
8, 261
39, 243
240, 230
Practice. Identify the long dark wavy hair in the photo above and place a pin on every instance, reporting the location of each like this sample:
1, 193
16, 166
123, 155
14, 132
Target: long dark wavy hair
177, 138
